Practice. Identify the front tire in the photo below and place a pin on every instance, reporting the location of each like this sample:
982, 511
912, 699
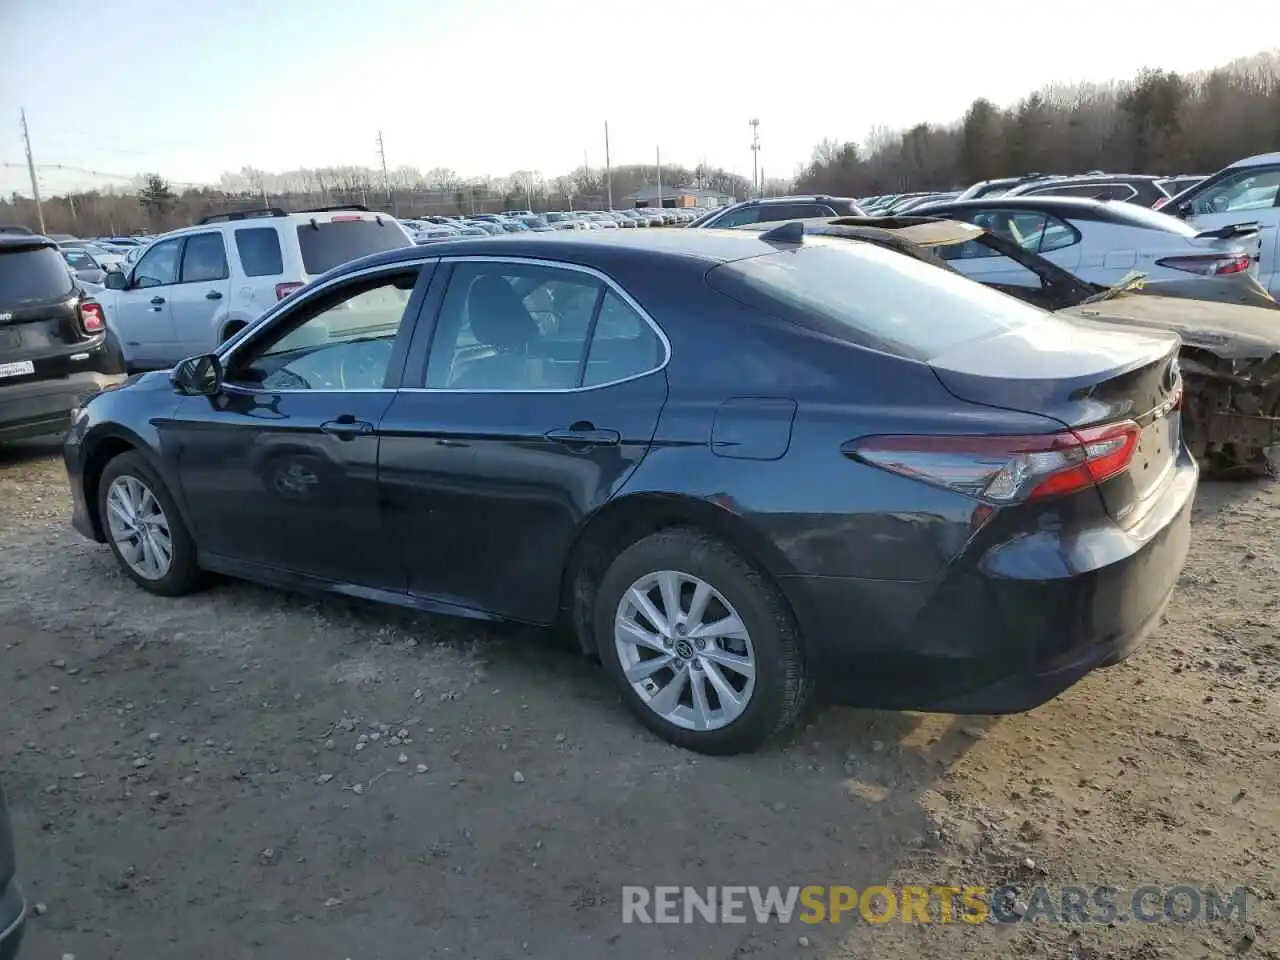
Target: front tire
144, 528
701, 645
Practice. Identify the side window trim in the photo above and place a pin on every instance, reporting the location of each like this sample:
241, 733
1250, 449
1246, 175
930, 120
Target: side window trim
427, 268
591, 335
416, 370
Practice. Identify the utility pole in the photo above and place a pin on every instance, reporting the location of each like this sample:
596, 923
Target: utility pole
658, 151
31, 168
755, 155
386, 180
608, 169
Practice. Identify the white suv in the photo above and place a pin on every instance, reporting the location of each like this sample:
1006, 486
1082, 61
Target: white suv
193, 288
1247, 190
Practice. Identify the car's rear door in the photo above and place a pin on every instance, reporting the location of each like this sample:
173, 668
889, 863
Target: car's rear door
537, 398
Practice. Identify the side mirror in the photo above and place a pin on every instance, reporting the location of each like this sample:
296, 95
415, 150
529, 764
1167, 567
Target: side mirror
115, 280
198, 376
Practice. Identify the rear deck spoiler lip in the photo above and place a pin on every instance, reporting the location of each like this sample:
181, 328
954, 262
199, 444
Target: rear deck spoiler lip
1231, 231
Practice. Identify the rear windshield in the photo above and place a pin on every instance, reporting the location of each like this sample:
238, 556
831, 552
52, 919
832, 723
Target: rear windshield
327, 245
33, 276
865, 294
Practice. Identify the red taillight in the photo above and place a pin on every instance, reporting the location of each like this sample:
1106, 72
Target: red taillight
1007, 469
1209, 265
284, 289
1160, 203
92, 318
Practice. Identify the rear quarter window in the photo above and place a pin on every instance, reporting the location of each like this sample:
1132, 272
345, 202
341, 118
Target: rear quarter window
327, 245
871, 296
33, 275
259, 250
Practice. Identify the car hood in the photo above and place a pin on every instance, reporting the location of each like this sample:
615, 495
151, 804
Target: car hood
1230, 330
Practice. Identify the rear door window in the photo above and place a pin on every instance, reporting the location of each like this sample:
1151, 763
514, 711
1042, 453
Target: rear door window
864, 294
328, 245
32, 275
204, 258
259, 250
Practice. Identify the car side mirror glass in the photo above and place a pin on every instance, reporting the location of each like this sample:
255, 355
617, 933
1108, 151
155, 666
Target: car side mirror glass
115, 280
198, 376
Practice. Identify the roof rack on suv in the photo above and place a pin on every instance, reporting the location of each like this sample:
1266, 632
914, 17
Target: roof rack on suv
243, 215
335, 207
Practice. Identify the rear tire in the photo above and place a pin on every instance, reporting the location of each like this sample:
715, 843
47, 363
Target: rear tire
144, 529
695, 680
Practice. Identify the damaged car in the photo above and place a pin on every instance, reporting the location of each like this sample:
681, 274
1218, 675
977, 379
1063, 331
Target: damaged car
1229, 326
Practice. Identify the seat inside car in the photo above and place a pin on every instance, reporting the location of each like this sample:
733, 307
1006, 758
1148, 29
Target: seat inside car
499, 319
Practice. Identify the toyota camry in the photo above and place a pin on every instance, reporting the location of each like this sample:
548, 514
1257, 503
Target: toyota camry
743, 468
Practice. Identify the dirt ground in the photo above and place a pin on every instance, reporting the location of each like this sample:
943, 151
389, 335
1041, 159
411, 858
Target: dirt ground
218, 777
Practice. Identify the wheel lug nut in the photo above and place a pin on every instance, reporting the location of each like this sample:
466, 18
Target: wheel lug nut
700, 643
666, 642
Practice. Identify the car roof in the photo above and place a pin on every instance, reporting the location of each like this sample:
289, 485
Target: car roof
25, 241
587, 248
1256, 161
1071, 208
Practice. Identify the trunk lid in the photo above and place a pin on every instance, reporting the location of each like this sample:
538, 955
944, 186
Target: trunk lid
1082, 374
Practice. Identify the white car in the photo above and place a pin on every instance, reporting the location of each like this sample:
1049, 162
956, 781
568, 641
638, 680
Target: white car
1100, 241
1247, 190
193, 288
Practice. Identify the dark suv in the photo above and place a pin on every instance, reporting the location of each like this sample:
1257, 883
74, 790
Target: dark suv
770, 209
12, 907
55, 350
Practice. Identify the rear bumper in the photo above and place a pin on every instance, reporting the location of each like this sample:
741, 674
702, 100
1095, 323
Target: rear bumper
44, 406
13, 915
1004, 632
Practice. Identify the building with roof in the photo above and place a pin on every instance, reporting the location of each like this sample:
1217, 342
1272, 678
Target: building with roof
650, 196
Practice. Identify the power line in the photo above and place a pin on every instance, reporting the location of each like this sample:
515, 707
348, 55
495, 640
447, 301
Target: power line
83, 171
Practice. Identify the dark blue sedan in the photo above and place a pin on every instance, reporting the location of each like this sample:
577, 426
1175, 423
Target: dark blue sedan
742, 467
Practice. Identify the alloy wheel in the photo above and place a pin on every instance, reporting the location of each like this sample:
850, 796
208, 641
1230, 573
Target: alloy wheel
139, 528
684, 650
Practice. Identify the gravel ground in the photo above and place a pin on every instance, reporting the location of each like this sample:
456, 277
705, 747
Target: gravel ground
246, 773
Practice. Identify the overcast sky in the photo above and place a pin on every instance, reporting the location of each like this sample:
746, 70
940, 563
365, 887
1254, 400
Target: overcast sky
198, 87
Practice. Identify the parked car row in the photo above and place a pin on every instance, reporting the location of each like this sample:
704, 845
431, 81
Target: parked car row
433, 228
1102, 225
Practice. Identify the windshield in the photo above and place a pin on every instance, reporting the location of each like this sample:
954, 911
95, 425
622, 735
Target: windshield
326, 245
871, 296
33, 276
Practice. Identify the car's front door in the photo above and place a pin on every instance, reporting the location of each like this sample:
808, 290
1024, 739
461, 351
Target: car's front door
1241, 196
279, 469
200, 294
141, 316
540, 395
